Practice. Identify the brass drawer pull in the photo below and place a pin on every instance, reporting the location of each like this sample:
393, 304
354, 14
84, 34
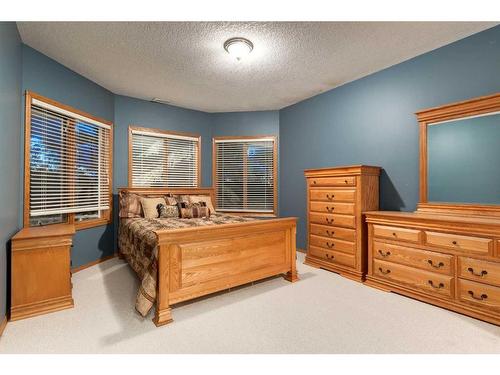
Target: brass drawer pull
346, 181
431, 283
330, 256
483, 272
330, 197
386, 254
330, 245
482, 297
330, 221
384, 272
330, 234
314, 182
394, 234
439, 265
454, 242
330, 209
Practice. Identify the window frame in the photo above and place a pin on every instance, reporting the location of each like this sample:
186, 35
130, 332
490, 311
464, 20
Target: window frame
275, 173
106, 216
132, 128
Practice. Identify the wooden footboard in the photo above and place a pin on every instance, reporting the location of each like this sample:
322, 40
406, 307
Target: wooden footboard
198, 261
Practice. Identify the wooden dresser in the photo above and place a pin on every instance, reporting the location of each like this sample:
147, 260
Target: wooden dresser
336, 198
452, 261
40, 270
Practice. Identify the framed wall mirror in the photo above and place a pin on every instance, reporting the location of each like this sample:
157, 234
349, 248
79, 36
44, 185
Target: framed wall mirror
460, 157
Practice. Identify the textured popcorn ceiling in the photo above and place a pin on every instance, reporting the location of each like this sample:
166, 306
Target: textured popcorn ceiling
185, 64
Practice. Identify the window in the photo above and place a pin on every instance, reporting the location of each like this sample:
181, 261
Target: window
163, 159
68, 165
245, 172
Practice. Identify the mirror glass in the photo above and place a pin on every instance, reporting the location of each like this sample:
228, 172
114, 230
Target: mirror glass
463, 160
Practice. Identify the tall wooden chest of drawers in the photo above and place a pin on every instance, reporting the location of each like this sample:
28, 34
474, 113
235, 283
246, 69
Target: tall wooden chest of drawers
452, 261
337, 235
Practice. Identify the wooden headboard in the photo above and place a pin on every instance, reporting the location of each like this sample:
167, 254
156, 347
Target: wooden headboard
164, 191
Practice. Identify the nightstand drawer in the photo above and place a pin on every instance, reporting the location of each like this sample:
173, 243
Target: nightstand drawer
414, 278
480, 294
426, 260
332, 256
333, 220
333, 232
478, 245
396, 233
333, 208
332, 195
333, 181
479, 270
333, 244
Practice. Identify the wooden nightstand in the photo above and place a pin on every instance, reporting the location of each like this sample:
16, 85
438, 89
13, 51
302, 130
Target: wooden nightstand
40, 270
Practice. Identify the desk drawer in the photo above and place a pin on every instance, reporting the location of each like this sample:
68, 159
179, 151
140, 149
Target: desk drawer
478, 245
396, 233
429, 281
426, 260
333, 220
479, 294
479, 270
333, 244
333, 232
333, 208
332, 181
332, 195
332, 256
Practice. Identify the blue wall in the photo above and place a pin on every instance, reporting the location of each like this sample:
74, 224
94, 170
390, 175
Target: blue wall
10, 165
47, 77
371, 120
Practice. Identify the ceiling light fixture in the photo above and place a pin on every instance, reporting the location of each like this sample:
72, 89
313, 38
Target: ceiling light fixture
238, 47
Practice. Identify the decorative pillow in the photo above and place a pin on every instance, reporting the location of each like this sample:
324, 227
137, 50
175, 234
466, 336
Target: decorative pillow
168, 210
193, 210
181, 198
171, 200
130, 205
149, 206
202, 198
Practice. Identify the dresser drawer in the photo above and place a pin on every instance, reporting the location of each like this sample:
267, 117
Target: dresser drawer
429, 281
333, 220
395, 233
478, 245
479, 270
333, 208
426, 260
332, 244
332, 181
332, 195
480, 294
332, 256
333, 232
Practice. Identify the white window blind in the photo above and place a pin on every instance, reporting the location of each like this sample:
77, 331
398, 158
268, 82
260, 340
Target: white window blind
164, 160
245, 174
69, 162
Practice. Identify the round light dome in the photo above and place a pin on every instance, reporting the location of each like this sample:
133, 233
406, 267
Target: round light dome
238, 47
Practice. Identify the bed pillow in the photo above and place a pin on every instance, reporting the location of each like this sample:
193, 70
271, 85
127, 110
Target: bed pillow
130, 205
193, 210
149, 206
203, 198
171, 200
169, 210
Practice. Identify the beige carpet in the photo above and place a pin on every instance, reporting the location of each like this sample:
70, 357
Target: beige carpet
322, 313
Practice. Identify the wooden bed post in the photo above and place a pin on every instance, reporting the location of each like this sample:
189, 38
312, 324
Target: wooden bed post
163, 313
292, 275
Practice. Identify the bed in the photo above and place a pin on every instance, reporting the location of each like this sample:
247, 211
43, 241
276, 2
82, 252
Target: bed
181, 259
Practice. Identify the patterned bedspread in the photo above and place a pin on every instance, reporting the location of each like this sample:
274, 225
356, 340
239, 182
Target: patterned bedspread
137, 242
